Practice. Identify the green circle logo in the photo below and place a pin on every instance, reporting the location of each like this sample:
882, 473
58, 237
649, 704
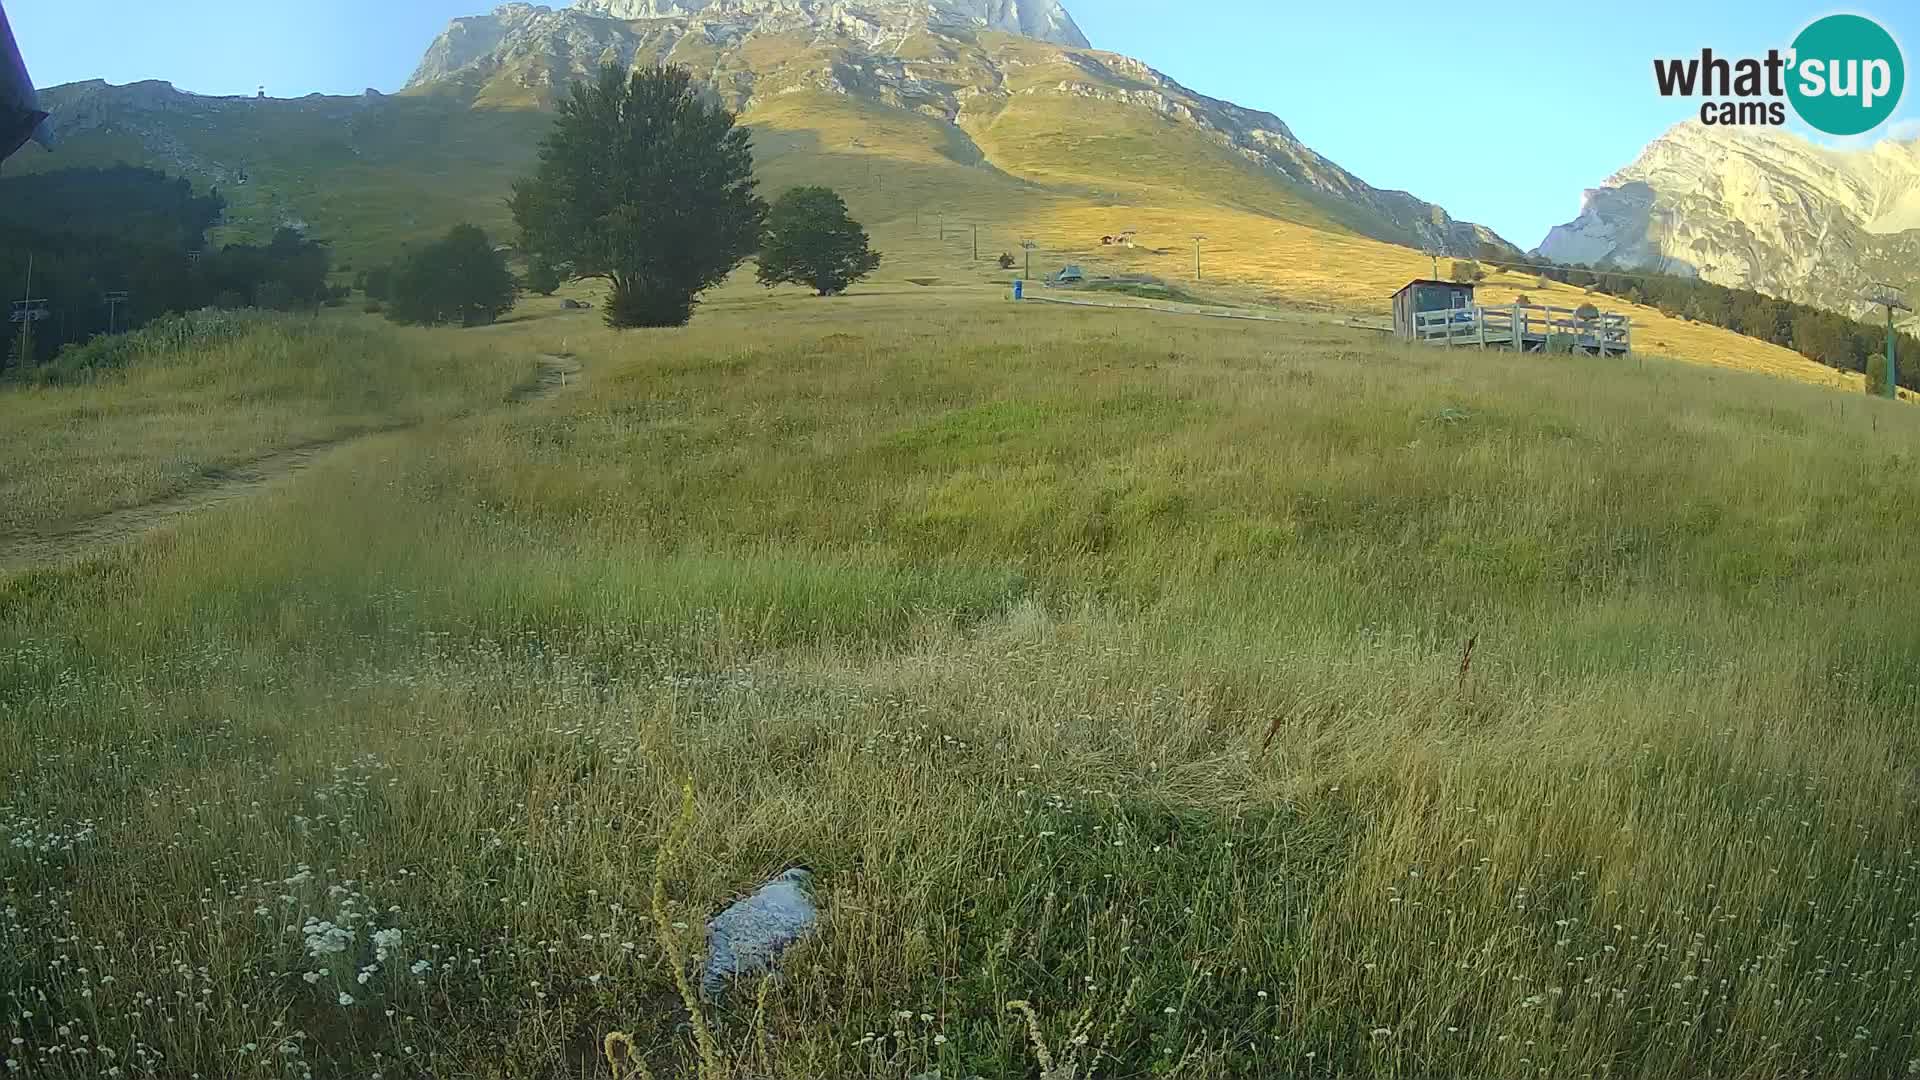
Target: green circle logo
1847, 75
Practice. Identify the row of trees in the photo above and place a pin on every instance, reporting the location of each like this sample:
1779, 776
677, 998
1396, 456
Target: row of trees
642, 183
647, 185
463, 279
1824, 336
92, 235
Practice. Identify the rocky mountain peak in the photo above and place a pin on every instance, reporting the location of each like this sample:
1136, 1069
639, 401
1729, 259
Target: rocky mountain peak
1043, 20
962, 63
1757, 208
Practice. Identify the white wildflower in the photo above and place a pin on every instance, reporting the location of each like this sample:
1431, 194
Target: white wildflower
326, 939
385, 942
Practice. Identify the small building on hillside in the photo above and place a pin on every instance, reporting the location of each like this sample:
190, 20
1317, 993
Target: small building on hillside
1423, 295
1445, 313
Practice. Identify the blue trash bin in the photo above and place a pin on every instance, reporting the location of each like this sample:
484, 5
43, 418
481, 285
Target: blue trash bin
1017, 283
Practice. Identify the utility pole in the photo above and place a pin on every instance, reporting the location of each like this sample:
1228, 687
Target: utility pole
113, 301
1197, 241
1439, 219
976, 243
1889, 297
26, 312
1029, 246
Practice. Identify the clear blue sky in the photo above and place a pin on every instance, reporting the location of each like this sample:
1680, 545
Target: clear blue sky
1351, 78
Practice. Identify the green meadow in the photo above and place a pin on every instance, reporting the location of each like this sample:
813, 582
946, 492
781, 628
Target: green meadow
1149, 696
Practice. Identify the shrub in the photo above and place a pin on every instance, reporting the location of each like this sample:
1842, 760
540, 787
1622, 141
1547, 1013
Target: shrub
1876, 373
541, 277
457, 279
274, 296
190, 331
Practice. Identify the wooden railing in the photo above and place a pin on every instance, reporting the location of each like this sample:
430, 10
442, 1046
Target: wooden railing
1526, 327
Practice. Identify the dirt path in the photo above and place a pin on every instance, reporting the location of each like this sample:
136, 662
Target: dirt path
557, 373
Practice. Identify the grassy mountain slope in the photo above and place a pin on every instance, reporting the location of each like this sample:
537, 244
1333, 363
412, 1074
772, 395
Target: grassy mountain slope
373, 174
365, 174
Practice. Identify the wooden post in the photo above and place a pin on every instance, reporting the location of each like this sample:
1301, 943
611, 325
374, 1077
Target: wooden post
1519, 330
1480, 327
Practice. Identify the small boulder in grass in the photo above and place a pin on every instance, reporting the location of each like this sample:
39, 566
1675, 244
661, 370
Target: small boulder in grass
748, 938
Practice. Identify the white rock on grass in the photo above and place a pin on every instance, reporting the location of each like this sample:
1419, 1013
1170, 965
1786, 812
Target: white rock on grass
748, 938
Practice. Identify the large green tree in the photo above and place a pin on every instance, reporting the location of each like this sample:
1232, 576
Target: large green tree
646, 185
457, 279
812, 241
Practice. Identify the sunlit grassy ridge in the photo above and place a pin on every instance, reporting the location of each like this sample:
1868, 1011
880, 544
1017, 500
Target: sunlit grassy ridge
1091, 659
1045, 180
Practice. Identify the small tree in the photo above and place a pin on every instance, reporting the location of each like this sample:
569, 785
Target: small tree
1876, 373
647, 185
811, 241
1466, 270
458, 279
541, 276
378, 282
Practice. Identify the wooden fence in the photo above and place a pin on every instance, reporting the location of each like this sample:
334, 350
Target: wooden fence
1525, 328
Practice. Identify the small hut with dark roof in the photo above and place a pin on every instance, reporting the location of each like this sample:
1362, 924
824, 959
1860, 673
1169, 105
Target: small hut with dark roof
1424, 295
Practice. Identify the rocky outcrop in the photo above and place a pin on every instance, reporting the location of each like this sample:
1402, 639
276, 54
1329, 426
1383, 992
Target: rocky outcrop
1756, 208
1042, 20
